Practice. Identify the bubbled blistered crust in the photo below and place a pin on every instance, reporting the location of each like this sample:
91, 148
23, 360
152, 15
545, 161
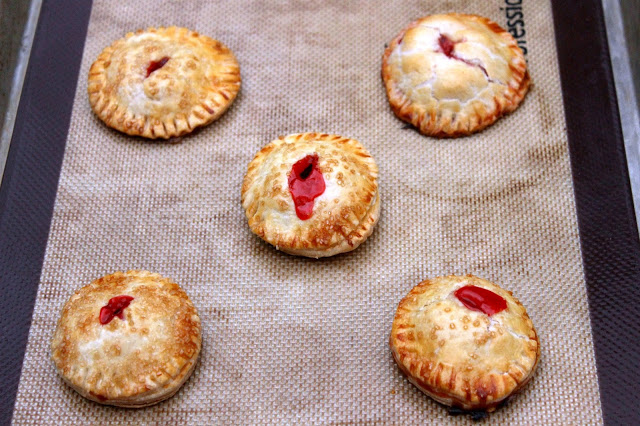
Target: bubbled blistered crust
343, 216
194, 87
448, 97
138, 361
461, 357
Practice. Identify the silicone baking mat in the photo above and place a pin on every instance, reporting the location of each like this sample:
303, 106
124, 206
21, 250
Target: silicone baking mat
294, 340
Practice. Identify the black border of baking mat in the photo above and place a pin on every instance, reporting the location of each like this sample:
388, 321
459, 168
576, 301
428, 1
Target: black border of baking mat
606, 219
30, 180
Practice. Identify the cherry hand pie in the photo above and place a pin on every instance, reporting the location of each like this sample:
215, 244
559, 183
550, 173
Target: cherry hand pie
312, 194
128, 339
453, 75
163, 82
464, 341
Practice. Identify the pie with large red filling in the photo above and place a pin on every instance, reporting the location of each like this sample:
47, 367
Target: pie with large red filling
464, 341
312, 194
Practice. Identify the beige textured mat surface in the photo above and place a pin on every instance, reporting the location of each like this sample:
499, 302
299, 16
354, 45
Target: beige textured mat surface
292, 340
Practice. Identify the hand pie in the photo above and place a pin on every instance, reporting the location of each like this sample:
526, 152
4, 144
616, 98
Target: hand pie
128, 339
312, 194
464, 341
163, 82
453, 75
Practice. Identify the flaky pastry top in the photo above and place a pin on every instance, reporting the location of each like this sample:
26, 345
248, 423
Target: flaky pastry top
130, 361
454, 74
163, 82
343, 215
460, 356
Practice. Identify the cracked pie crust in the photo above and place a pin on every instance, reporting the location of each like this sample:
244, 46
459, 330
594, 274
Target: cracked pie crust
128, 339
163, 82
312, 194
464, 341
452, 75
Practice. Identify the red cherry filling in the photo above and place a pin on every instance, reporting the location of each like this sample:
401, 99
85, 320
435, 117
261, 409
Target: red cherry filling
305, 184
447, 46
156, 65
480, 299
115, 308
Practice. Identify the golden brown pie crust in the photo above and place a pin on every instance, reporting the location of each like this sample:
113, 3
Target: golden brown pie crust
136, 361
462, 357
343, 216
197, 83
484, 77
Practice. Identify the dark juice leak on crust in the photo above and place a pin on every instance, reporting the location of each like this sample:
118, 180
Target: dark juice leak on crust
446, 45
156, 65
480, 299
115, 308
305, 184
